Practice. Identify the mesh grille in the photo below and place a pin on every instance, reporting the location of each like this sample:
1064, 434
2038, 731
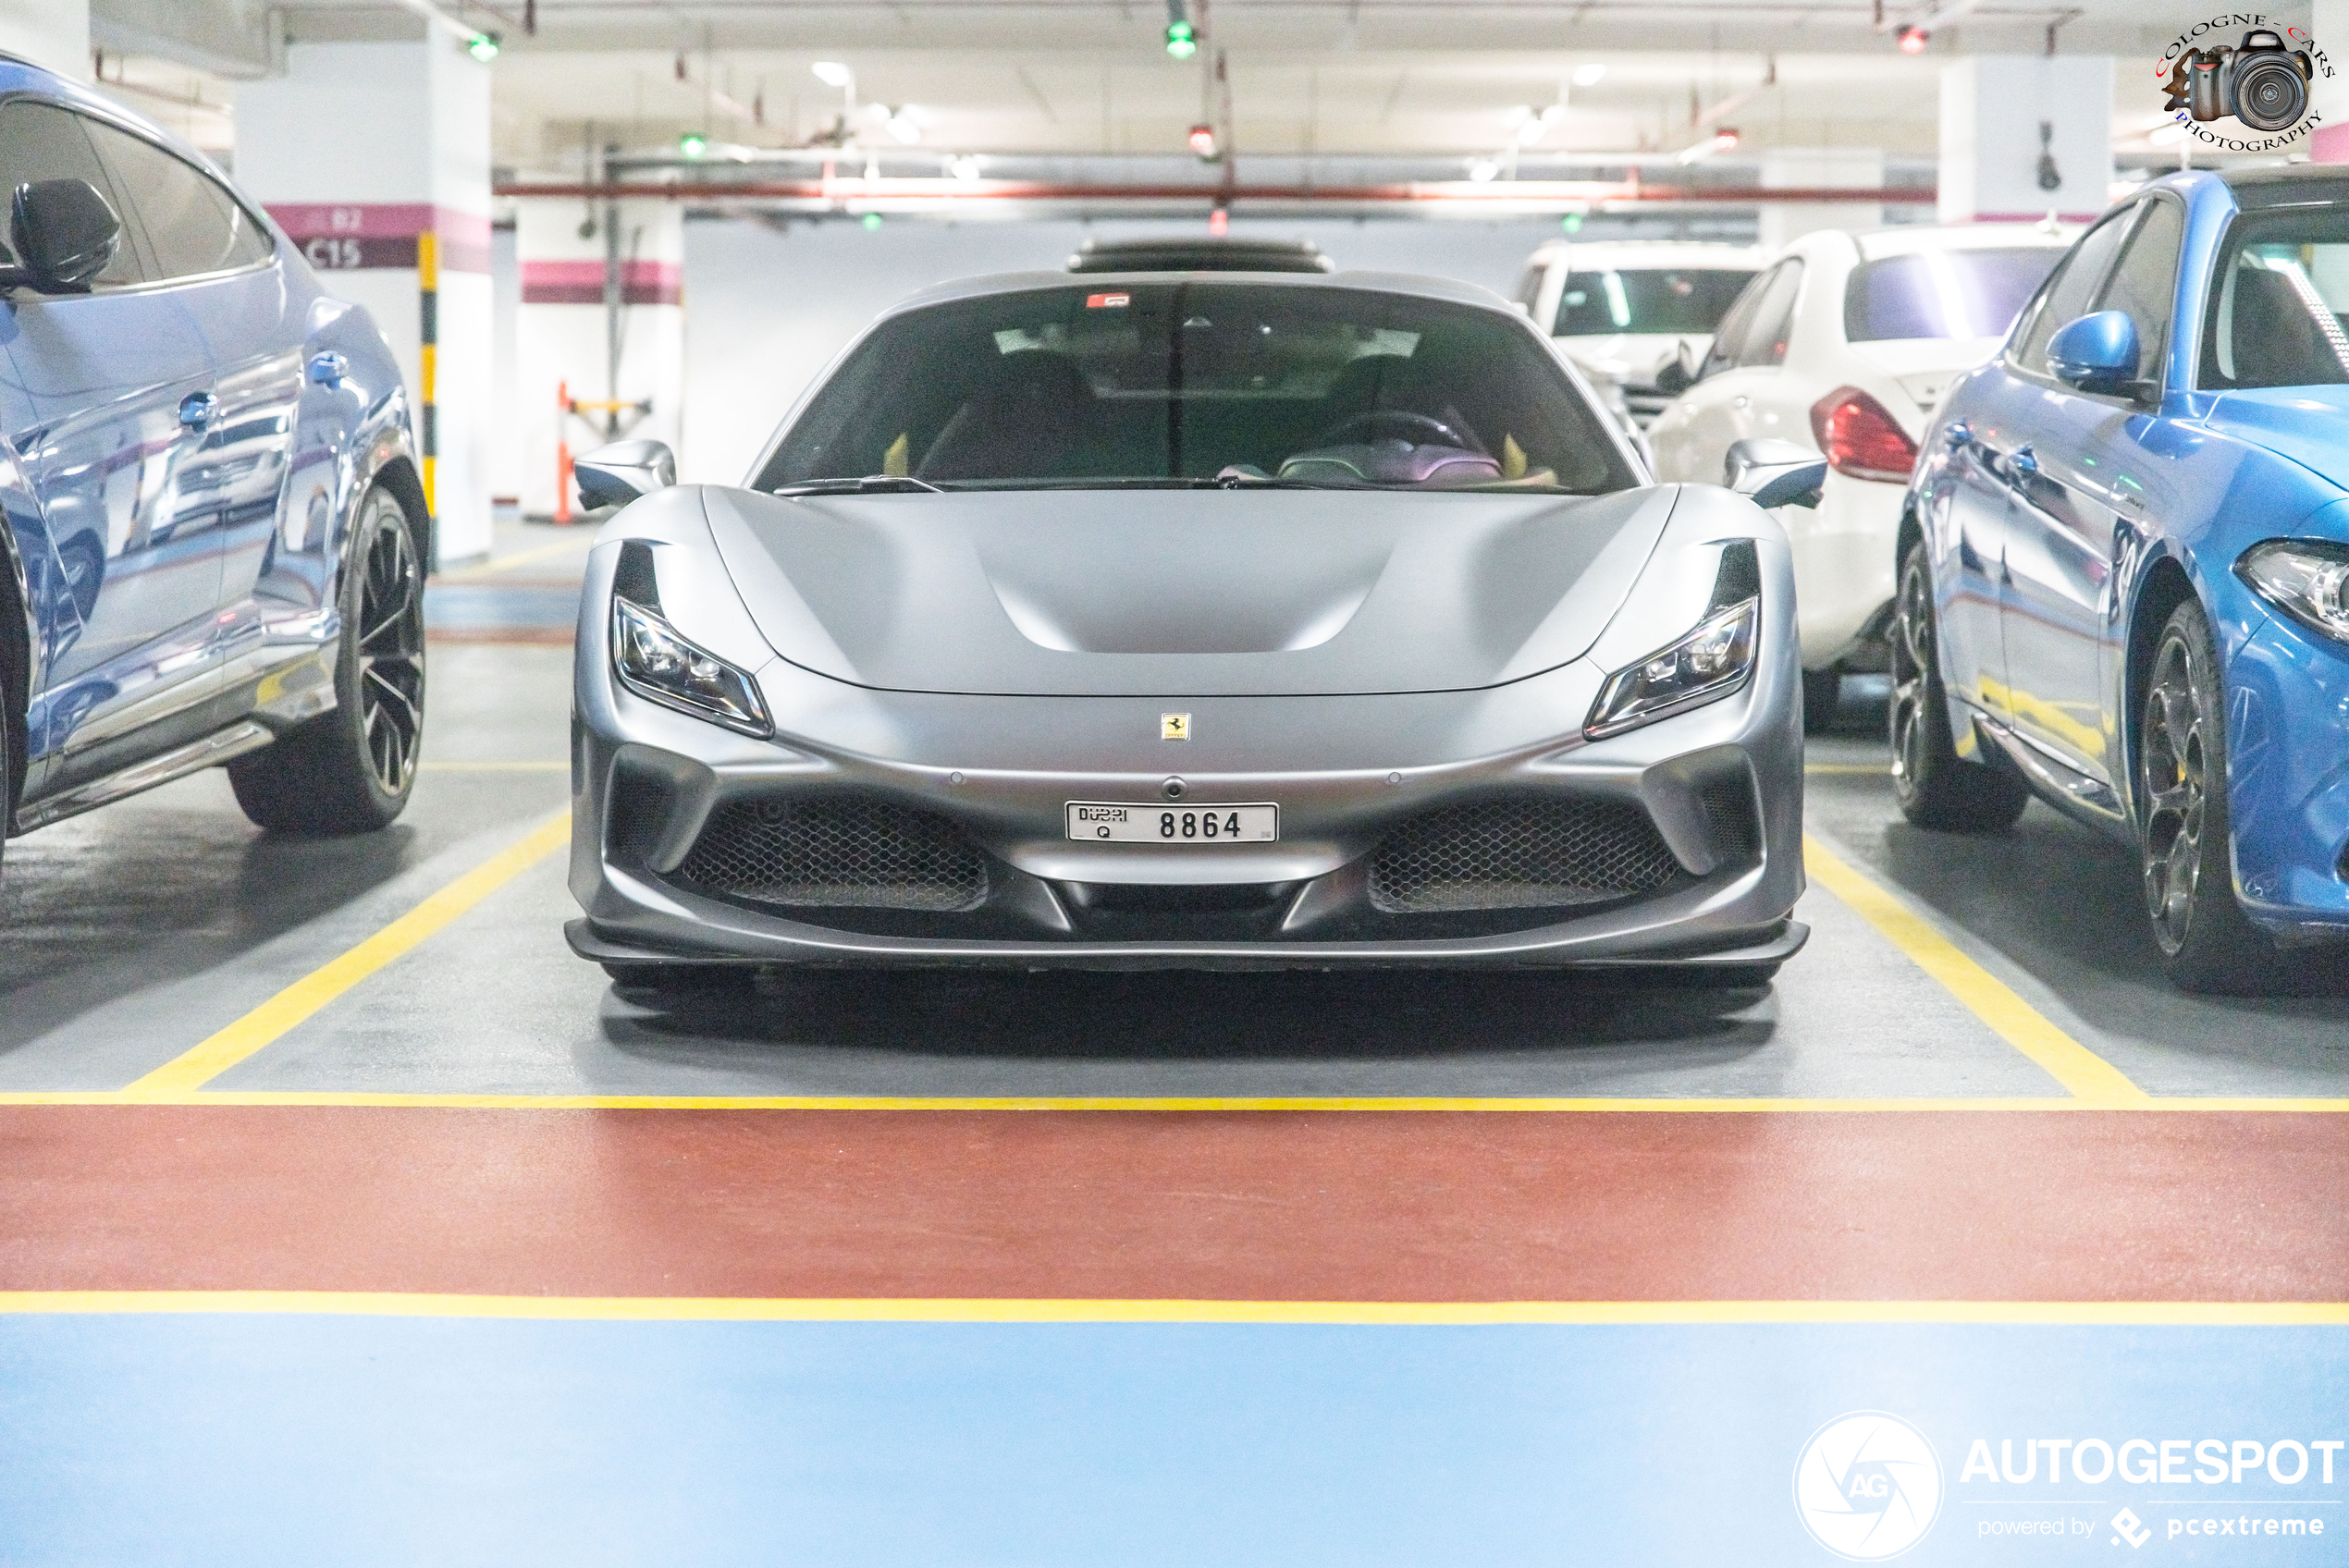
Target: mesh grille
1519, 854
837, 854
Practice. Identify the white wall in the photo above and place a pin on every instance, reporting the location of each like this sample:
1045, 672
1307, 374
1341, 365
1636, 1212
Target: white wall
54, 33
767, 311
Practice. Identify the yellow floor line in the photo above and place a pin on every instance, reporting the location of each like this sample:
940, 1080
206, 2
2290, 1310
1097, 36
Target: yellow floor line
298, 1001
1880, 768
995, 1310
2082, 1072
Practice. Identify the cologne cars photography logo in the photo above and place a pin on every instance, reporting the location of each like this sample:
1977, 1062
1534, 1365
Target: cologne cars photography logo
2237, 67
1868, 1485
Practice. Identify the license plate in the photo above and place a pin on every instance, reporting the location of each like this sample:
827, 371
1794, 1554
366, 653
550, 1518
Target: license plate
1115, 823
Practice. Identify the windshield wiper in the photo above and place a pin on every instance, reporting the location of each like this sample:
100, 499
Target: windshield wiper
870, 484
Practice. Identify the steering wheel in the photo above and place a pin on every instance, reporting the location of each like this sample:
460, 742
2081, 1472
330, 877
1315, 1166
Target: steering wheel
1425, 429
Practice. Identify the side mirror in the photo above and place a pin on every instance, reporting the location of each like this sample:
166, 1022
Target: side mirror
65, 233
616, 473
1771, 472
2096, 353
1675, 376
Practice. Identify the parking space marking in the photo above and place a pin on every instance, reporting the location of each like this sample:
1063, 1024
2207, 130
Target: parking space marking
195, 1068
496, 766
925, 1309
2082, 1073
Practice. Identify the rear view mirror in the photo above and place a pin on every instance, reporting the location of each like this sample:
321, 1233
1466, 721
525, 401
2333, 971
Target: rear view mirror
615, 474
1771, 472
65, 234
2096, 353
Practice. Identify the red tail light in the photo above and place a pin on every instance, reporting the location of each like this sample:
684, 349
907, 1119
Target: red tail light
1861, 437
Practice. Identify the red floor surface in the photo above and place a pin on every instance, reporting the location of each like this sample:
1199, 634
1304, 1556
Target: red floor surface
2082, 1206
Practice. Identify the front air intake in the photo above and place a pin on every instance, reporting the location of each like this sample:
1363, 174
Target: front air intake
1519, 853
842, 853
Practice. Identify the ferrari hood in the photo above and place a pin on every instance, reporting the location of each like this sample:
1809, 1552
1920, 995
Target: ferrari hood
1208, 592
2309, 424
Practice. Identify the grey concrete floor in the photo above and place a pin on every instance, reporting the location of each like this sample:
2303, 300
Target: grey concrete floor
129, 935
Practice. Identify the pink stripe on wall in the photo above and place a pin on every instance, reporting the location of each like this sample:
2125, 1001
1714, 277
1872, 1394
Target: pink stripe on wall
582, 283
353, 235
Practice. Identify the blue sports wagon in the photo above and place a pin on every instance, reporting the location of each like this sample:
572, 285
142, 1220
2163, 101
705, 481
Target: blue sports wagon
2124, 568
214, 537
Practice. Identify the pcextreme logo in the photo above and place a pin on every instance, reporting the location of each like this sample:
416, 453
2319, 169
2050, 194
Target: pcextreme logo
1867, 1486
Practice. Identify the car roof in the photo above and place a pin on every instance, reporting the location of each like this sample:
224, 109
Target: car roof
2288, 186
1662, 252
1377, 282
1910, 240
1200, 253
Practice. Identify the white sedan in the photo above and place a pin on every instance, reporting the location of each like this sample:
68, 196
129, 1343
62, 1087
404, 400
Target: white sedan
1623, 310
1844, 345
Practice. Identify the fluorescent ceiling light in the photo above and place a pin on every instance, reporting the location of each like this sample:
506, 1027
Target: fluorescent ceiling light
1590, 75
1719, 141
832, 73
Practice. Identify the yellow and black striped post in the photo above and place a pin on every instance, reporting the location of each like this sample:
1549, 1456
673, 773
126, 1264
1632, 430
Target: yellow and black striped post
428, 368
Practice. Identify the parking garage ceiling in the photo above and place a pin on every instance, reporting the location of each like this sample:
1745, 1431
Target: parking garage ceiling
1307, 78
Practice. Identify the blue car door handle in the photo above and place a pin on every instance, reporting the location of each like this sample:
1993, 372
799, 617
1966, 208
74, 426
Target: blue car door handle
1959, 435
2021, 464
195, 409
328, 369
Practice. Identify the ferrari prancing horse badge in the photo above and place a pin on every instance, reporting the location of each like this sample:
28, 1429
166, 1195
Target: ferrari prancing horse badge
1174, 726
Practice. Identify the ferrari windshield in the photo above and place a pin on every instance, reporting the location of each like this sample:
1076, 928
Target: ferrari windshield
1184, 383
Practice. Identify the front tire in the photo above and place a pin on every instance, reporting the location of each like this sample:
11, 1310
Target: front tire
2207, 942
1935, 787
351, 770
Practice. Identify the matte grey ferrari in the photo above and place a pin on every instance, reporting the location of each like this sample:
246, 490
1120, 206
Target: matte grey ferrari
1206, 621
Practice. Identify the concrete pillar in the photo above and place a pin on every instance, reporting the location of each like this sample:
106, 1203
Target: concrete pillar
1993, 109
2329, 96
53, 34
565, 334
376, 159
1823, 168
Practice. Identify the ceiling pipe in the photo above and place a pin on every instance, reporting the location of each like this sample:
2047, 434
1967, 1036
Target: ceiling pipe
880, 194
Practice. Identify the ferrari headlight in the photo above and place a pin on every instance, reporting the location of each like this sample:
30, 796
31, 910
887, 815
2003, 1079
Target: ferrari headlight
653, 661
2306, 579
1706, 664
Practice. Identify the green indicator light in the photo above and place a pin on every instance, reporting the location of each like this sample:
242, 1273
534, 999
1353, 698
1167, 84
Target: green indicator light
1572, 223
1181, 42
483, 46
872, 221
693, 144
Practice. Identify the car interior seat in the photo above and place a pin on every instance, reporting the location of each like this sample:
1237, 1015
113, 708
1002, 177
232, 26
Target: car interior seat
2278, 338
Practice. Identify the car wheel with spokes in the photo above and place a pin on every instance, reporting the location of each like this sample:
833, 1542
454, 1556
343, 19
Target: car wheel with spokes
2207, 942
1935, 787
351, 770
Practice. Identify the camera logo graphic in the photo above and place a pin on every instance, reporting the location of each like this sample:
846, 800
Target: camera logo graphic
2264, 82
1867, 1486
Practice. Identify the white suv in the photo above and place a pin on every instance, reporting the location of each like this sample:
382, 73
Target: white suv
1624, 310
1845, 344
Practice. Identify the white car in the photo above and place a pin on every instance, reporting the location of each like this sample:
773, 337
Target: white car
1845, 344
1624, 310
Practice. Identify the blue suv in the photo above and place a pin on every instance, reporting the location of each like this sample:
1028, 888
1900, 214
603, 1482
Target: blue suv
2124, 569
215, 535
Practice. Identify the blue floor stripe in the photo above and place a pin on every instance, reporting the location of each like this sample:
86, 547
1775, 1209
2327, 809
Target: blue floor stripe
362, 1440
